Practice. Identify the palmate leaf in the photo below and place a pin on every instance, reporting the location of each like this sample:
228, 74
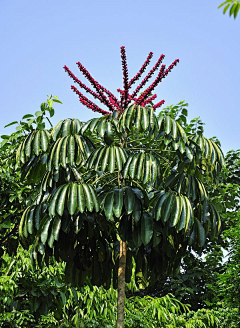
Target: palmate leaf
31, 220
35, 143
143, 167
168, 126
138, 118
74, 197
104, 127
173, 210
107, 158
124, 201
70, 149
66, 128
146, 228
188, 185
211, 154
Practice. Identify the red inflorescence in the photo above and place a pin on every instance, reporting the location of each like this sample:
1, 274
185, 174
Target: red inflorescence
108, 99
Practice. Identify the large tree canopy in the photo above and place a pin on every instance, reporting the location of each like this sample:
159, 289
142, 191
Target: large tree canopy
128, 185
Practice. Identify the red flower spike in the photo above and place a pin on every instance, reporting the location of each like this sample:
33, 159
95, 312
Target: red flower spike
149, 75
147, 101
125, 77
159, 104
141, 71
95, 84
86, 102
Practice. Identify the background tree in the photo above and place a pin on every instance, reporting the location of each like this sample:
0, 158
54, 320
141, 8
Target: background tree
14, 193
128, 185
232, 5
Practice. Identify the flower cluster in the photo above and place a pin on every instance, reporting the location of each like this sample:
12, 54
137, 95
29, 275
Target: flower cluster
108, 99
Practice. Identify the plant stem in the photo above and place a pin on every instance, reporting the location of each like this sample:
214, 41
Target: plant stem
121, 284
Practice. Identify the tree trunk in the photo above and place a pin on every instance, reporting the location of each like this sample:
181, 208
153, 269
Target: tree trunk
121, 284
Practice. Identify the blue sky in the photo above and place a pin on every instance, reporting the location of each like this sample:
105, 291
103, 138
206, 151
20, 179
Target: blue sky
39, 37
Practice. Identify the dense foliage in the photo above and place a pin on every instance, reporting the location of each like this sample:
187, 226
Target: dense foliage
130, 197
42, 299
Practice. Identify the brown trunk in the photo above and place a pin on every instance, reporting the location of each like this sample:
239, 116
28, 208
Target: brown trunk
121, 284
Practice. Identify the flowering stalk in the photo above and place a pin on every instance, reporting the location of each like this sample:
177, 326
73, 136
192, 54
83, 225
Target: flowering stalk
82, 85
159, 104
95, 84
88, 103
149, 75
147, 101
141, 71
125, 77
162, 74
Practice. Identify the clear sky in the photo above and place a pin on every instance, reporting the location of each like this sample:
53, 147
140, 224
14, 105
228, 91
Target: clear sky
39, 37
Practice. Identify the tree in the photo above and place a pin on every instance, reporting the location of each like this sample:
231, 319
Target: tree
128, 185
14, 193
232, 5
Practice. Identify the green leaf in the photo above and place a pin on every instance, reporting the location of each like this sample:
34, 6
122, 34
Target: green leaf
177, 209
57, 101
111, 165
66, 127
51, 111
61, 200
147, 171
166, 211
72, 198
12, 123
146, 228
236, 10
129, 200
201, 233
94, 198
5, 137
38, 113
44, 140
159, 204
53, 201
56, 227
137, 210
126, 166
232, 9
71, 150
88, 197
167, 124
109, 135
133, 165
27, 116
184, 215
222, 4
105, 159
137, 236
44, 231
118, 158
81, 199
36, 143
118, 203
108, 206
30, 220
144, 118
140, 166
226, 8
